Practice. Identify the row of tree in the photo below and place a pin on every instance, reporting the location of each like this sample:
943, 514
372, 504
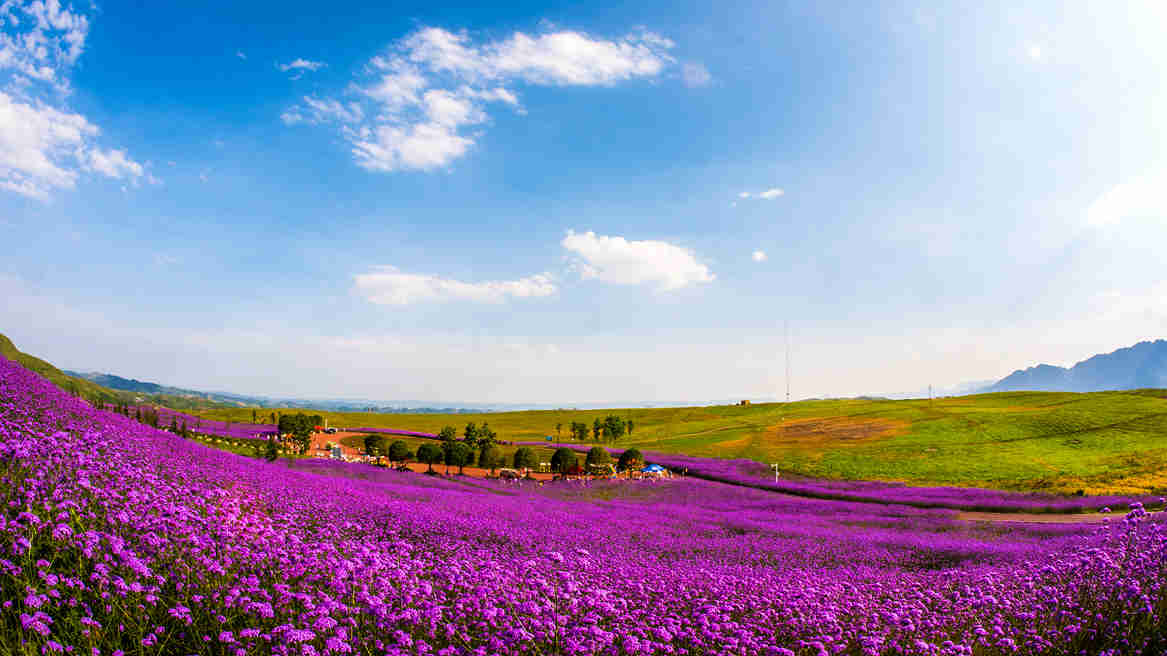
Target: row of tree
608, 429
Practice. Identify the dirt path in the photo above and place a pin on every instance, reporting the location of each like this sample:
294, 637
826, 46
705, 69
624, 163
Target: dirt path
1041, 518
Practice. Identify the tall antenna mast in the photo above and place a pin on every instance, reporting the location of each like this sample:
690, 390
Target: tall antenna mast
787, 330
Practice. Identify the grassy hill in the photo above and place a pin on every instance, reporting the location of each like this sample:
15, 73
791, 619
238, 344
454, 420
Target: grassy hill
92, 391
1101, 442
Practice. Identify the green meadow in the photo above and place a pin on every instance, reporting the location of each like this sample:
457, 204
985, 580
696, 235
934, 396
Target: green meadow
1103, 442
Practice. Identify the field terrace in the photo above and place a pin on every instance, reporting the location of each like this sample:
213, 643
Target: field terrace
122, 539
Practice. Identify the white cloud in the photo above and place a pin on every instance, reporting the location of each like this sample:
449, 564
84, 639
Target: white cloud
694, 74
1035, 52
759, 256
389, 286
430, 86
617, 260
43, 145
41, 40
300, 66
421, 146
1141, 197
769, 194
240, 54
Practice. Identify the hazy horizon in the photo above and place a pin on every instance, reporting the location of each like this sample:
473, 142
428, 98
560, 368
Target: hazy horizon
556, 204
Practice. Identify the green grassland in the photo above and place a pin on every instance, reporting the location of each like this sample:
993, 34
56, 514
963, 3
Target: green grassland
1104, 442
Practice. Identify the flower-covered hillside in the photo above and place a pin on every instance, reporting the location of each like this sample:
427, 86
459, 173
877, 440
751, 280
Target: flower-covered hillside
120, 539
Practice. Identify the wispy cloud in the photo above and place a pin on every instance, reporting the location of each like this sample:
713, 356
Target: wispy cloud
298, 67
1139, 197
759, 256
621, 261
240, 54
694, 74
388, 285
769, 194
421, 101
314, 110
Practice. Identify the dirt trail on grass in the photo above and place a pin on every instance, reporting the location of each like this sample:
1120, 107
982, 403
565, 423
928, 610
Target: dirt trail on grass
1040, 518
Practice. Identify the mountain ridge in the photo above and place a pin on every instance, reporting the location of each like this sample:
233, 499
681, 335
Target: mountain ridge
1139, 366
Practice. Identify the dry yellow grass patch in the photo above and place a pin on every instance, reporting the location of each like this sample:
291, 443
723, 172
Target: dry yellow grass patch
819, 432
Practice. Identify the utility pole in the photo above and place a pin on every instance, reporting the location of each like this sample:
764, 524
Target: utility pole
787, 330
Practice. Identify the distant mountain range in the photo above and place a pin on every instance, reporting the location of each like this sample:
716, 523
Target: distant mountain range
1143, 365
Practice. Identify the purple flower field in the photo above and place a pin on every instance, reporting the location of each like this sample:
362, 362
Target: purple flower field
119, 539
237, 430
748, 473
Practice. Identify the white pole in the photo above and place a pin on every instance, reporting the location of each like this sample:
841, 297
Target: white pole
787, 331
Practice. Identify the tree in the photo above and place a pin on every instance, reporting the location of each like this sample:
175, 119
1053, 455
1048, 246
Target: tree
254, 416
270, 453
299, 426
597, 456
630, 458
457, 455
398, 451
629, 428
564, 460
486, 436
579, 431
525, 458
596, 428
470, 434
558, 428
376, 445
273, 417
185, 432
448, 435
430, 454
489, 457
613, 427
174, 425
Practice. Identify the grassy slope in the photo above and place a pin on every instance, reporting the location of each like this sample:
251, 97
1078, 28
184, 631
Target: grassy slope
71, 384
1104, 442
92, 391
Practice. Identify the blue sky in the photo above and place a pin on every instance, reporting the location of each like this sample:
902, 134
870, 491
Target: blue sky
580, 203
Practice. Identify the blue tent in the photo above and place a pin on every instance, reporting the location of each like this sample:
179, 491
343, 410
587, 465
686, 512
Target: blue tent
653, 469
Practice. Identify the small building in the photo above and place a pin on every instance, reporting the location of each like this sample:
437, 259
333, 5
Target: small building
336, 452
744, 402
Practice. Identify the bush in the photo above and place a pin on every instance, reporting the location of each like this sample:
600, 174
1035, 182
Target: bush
598, 456
398, 451
563, 460
630, 458
375, 445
